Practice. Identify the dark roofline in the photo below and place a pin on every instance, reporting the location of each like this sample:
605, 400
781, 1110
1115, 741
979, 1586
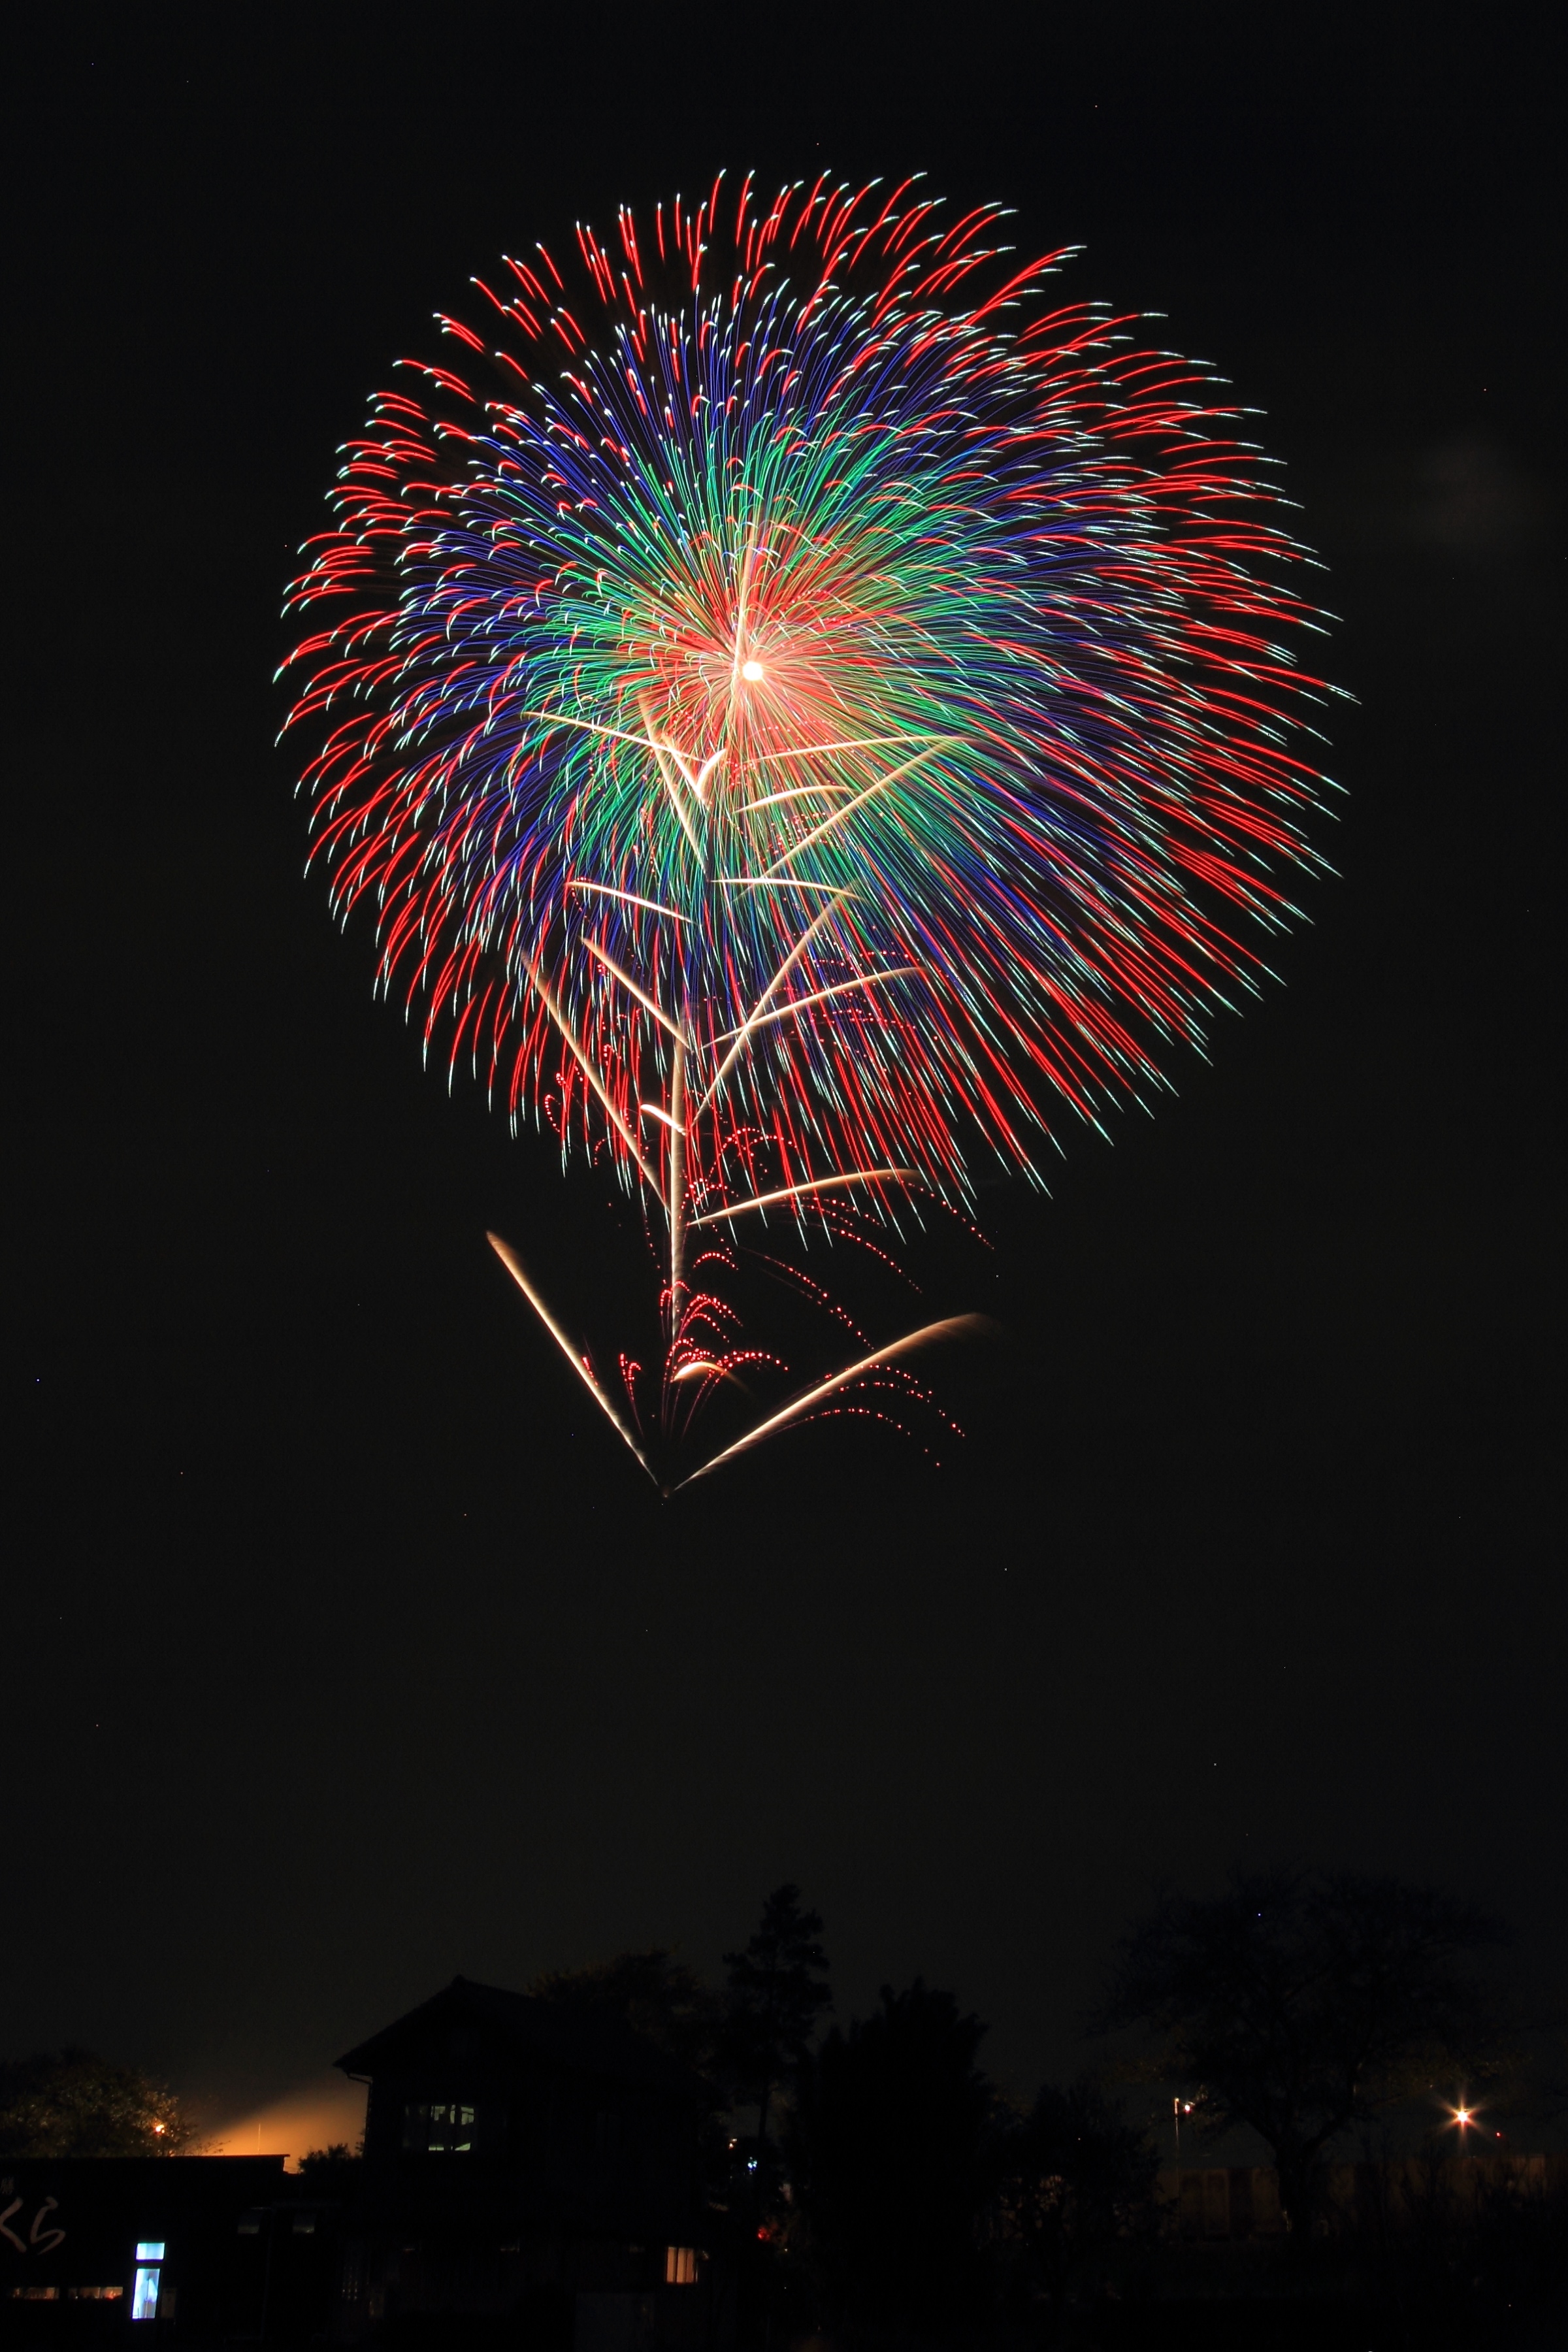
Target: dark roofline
606, 2047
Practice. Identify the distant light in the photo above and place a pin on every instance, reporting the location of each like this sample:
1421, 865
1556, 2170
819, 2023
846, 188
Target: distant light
752, 670
149, 2250
1462, 2115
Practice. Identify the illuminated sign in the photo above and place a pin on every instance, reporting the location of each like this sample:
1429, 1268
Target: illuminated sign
144, 2294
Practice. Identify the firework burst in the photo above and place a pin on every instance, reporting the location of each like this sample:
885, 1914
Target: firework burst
807, 716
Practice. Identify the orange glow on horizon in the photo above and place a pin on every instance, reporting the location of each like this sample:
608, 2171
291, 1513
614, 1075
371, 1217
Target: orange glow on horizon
317, 2114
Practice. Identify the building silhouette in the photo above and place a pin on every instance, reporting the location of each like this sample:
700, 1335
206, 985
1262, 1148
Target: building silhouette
524, 2159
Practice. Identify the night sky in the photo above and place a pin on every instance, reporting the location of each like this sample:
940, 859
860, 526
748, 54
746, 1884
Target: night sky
341, 1649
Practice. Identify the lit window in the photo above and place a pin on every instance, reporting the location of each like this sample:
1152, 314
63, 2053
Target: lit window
149, 2250
440, 2127
680, 2265
144, 2294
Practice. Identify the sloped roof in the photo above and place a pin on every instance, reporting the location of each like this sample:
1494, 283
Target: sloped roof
545, 2030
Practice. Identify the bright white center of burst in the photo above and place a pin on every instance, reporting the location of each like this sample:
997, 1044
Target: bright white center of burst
753, 670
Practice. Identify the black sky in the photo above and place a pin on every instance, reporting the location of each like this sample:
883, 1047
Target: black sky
340, 1651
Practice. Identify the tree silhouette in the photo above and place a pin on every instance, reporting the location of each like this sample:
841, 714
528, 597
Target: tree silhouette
775, 1998
888, 2146
73, 2103
1077, 2188
1304, 2002
654, 1993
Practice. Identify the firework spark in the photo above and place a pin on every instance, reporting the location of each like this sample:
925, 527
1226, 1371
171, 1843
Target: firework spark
806, 713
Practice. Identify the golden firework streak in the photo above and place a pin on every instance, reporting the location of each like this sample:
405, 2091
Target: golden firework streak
794, 1191
509, 1259
952, 1327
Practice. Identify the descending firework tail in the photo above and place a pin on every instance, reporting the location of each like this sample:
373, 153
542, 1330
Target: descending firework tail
584, 1371
952, 1327
806, 712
